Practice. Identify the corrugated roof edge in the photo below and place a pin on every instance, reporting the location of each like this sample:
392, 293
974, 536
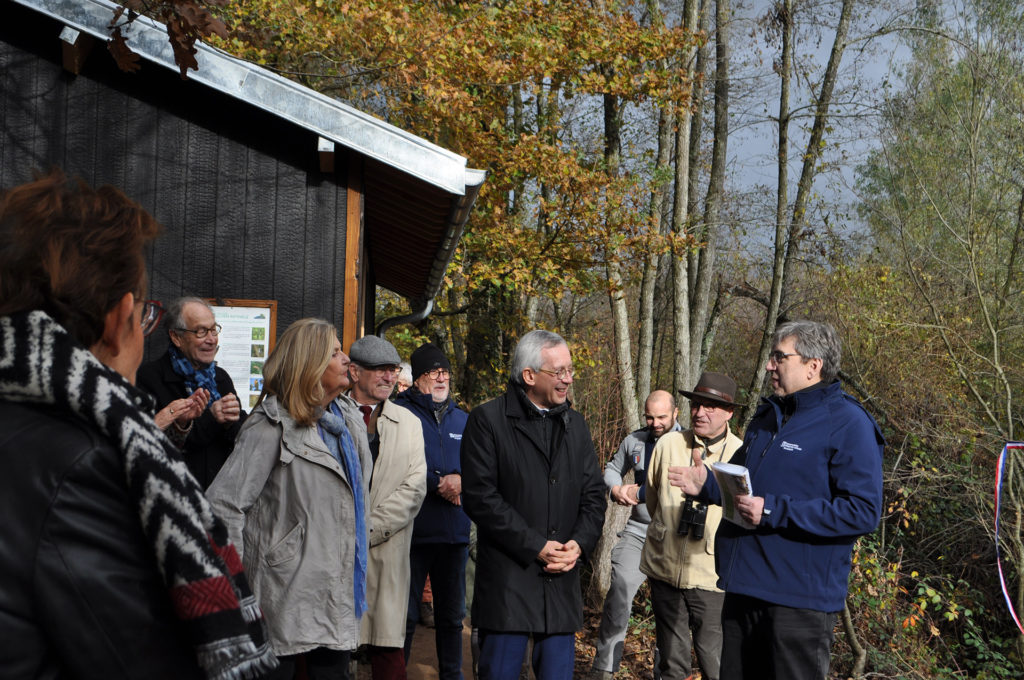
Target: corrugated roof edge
307, 108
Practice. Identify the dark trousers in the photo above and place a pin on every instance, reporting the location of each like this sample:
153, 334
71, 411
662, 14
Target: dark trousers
321, 664
676, 611
386, 663
446, 565
501, 655
764, 641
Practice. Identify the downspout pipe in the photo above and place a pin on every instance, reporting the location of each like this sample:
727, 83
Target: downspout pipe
456, 224
414, 318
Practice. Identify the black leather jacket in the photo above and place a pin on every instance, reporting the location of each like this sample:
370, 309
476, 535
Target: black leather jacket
80, 594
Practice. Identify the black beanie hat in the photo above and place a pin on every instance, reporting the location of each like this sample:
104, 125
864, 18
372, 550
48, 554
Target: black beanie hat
426, 357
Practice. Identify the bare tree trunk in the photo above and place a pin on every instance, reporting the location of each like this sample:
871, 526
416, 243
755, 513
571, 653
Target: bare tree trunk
860, 654
653, 259
700, 298
786, 231
687, 154
645, 355
616, 287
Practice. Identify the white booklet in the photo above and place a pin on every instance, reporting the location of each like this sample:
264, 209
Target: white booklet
733, 480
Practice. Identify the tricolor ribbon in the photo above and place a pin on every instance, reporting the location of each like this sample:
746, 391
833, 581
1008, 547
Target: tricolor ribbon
1000, 468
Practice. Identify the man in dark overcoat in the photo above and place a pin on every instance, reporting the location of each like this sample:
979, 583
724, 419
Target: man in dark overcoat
532, 483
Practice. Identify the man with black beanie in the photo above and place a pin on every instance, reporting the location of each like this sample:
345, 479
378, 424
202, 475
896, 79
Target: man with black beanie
440, 540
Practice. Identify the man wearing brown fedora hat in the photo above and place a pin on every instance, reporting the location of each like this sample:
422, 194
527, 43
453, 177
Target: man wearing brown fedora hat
679, 555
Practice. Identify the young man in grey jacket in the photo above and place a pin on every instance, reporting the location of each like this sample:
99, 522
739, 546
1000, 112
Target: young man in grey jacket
661, 415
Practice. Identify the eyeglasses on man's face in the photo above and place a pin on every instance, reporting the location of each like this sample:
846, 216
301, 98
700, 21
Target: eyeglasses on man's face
201, 332
696, 406
152, 312
438, 374
391, 371
560, 374
778, 356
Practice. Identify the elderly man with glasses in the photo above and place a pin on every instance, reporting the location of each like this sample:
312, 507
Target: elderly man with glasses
440, 541
815, 461
397, 487
532, 483
679, 553
197, 404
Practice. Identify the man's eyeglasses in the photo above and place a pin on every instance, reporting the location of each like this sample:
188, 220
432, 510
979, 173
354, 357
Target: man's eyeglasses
777, 356
707, 406
152, 312
438, 374
560, 374
201, 333
392, 371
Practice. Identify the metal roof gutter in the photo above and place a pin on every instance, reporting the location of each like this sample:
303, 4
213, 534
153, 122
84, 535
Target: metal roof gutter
328, 117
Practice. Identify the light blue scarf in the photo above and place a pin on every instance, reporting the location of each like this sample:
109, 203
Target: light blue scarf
339, 441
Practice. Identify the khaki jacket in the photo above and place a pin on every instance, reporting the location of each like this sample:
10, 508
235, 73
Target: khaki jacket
280, 488
680, 561
396, 492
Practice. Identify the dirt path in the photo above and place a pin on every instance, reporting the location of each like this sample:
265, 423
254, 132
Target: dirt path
423, 658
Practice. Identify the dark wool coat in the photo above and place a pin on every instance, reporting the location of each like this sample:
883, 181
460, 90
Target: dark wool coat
209, 443
523, 489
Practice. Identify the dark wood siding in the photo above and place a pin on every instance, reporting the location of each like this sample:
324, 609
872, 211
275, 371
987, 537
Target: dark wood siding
245, 209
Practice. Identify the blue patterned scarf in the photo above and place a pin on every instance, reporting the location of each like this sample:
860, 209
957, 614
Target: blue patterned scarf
195, 377
339, 441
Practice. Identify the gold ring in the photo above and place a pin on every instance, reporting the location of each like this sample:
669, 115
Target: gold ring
172, 411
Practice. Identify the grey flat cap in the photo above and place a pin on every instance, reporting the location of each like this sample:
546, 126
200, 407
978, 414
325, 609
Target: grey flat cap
372, 350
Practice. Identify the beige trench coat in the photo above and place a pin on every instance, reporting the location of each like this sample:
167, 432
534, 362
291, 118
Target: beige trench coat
396, 492
289, 507
680, 561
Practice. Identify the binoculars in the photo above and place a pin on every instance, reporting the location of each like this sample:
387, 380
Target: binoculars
692, 519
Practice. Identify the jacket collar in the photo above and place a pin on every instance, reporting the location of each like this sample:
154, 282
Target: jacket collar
644, 433
299, 440
807, 398
413, 397
518, 405
524, 416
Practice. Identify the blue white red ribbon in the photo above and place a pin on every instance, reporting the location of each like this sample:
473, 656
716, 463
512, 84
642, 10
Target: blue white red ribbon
1000, 468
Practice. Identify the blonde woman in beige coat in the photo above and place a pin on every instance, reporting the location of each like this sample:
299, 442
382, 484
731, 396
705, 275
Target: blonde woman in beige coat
297, 502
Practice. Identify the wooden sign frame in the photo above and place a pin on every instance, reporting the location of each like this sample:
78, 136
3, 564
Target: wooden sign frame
249, 331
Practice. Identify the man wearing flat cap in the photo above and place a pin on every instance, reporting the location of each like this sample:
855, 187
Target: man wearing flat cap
679, 553
440, 541
396, 493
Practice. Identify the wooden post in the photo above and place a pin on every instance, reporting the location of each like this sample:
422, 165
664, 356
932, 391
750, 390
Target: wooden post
355, 284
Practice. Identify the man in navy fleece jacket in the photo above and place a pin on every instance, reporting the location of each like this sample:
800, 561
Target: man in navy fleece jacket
815, 461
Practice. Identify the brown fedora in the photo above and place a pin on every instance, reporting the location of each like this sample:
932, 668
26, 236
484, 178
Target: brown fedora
716, 387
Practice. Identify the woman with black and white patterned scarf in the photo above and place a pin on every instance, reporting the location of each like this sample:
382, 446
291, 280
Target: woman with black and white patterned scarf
112, 563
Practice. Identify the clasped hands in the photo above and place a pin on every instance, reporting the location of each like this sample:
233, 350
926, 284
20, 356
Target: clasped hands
625, 494
559, 557
450, 488
225, 410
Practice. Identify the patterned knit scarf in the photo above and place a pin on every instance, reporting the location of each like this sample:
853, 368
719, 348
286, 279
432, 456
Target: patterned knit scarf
195, 377
40, 363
